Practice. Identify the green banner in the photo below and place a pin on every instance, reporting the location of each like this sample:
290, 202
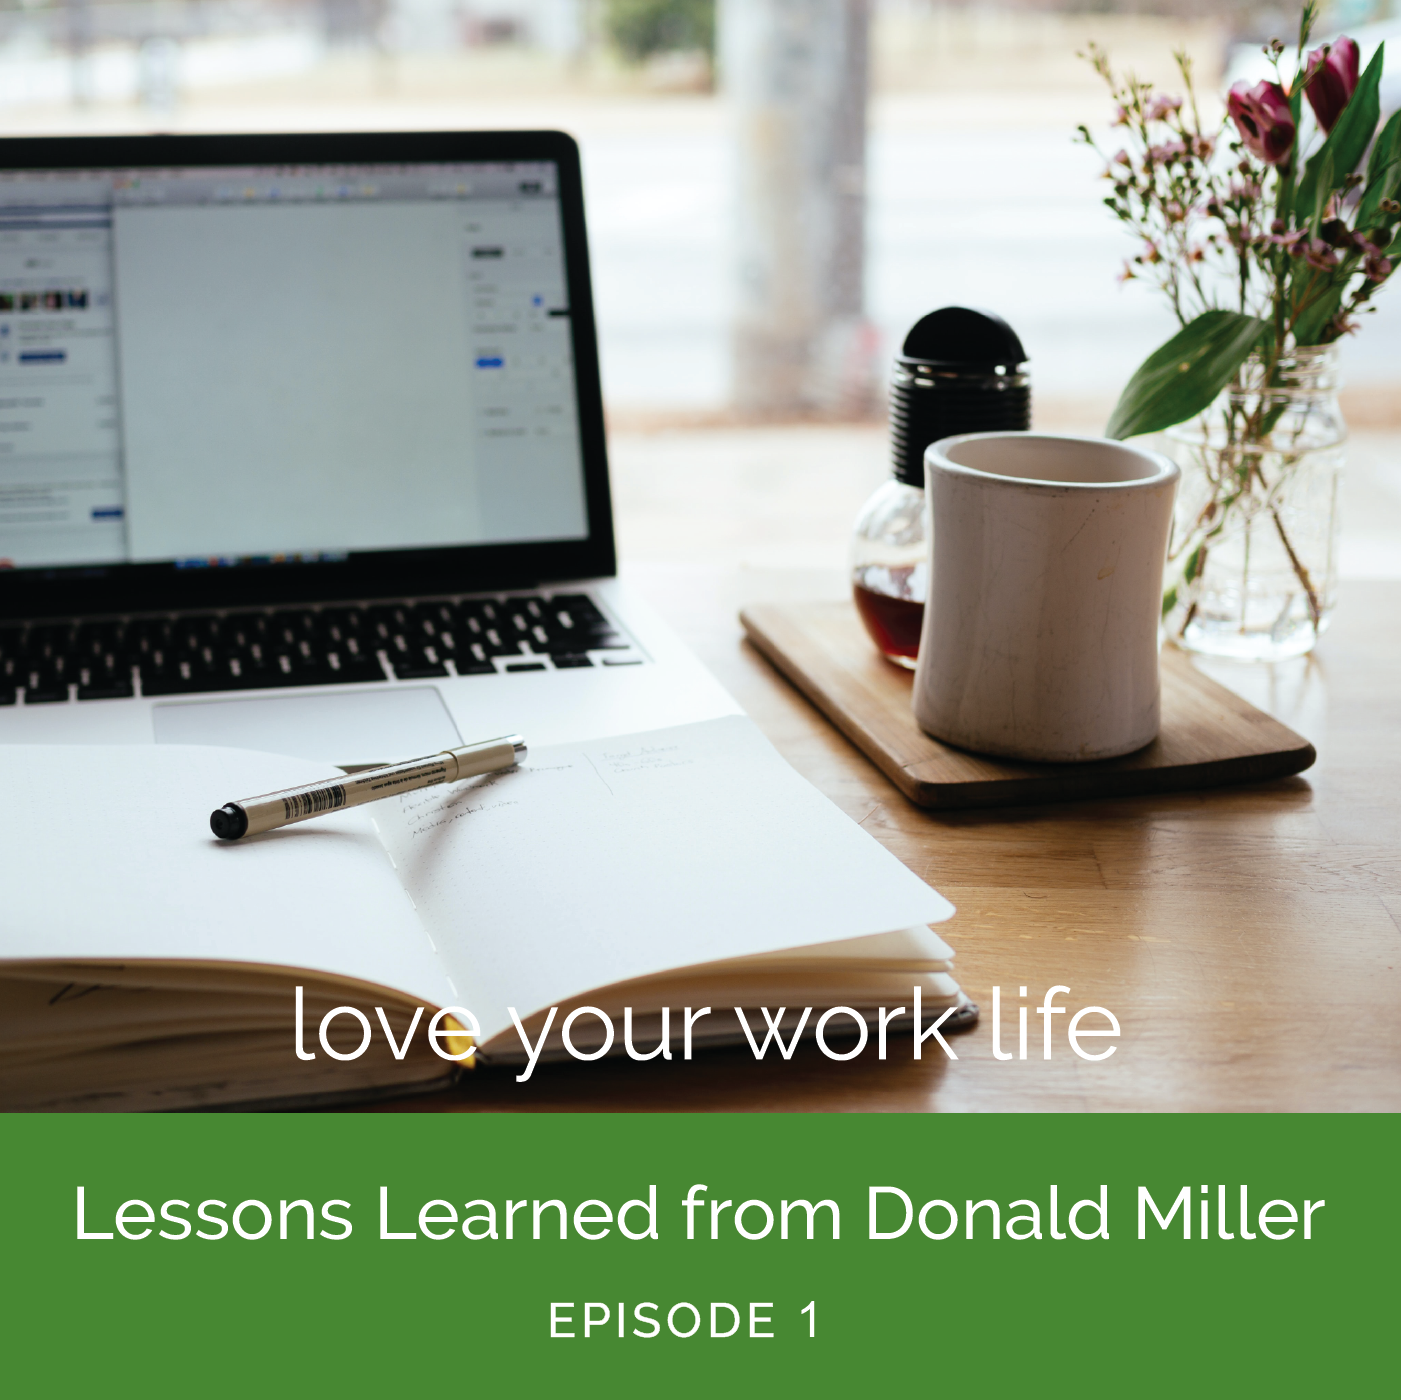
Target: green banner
365, 1254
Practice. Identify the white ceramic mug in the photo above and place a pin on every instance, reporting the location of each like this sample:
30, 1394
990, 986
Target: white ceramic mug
1040, 636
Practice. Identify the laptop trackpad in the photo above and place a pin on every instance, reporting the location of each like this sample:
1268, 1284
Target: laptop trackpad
348, 727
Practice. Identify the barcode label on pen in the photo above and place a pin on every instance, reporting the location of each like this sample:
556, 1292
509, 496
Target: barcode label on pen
308, 804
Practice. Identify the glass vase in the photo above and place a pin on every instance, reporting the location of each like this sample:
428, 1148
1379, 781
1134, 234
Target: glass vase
1253, 561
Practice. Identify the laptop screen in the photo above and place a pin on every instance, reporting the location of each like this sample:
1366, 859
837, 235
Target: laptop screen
259, 369
219, 366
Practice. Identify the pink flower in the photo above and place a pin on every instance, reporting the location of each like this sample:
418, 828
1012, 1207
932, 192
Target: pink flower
1376, 265
1330, 80
1320, 255
1168, 152
1262, 116
1162, 107
1314, 251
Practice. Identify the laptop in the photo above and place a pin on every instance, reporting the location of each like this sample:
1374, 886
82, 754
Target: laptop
302, 450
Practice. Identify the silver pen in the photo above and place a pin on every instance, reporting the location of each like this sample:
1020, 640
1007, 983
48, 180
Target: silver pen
273, 809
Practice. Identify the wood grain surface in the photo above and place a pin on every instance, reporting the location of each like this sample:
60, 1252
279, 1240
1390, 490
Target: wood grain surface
1209, 737
1248, 938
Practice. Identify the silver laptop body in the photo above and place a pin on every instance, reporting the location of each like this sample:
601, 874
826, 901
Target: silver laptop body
302, 449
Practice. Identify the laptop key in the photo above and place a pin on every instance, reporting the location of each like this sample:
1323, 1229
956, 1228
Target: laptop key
342, 669
581, 610
96, 641
45, 688
244, 630
107, 680
145, 637
112, 690
433, 619
296, 624
176, 677
49, 639
11, 678
575, 644
578, 621
386, 623
564, 661
493, 643
412, 663
294, 667
356, 657
337, 626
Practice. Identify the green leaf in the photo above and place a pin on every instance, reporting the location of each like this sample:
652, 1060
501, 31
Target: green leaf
1323, 186
1180, 378
1386, 149
1343, 149
1383, 172
1385, 186
1309, 328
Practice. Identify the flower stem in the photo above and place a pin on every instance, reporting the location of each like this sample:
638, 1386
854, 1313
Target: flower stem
1315, 611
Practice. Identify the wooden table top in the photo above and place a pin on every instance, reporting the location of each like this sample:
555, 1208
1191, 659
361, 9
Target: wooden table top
1247, 939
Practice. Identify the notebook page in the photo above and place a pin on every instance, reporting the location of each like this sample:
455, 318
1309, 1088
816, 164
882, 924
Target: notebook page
106, 852
601, 862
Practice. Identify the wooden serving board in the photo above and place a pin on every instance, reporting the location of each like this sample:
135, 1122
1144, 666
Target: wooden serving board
1210, 736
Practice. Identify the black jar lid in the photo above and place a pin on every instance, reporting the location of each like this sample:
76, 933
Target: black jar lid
962, 337
960, 372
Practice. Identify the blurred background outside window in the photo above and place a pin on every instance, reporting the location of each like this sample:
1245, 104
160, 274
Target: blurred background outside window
776, 189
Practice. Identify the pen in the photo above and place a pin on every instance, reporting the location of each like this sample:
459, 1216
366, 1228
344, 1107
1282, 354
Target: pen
274, 809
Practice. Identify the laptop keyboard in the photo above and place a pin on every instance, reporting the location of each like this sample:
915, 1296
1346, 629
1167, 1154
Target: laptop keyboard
50, 662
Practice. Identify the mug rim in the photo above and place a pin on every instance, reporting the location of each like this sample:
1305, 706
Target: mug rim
935, 456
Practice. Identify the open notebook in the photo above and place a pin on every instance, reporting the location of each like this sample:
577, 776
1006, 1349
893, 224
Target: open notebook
143, 964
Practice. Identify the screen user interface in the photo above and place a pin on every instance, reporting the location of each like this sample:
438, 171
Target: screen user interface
220, 366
